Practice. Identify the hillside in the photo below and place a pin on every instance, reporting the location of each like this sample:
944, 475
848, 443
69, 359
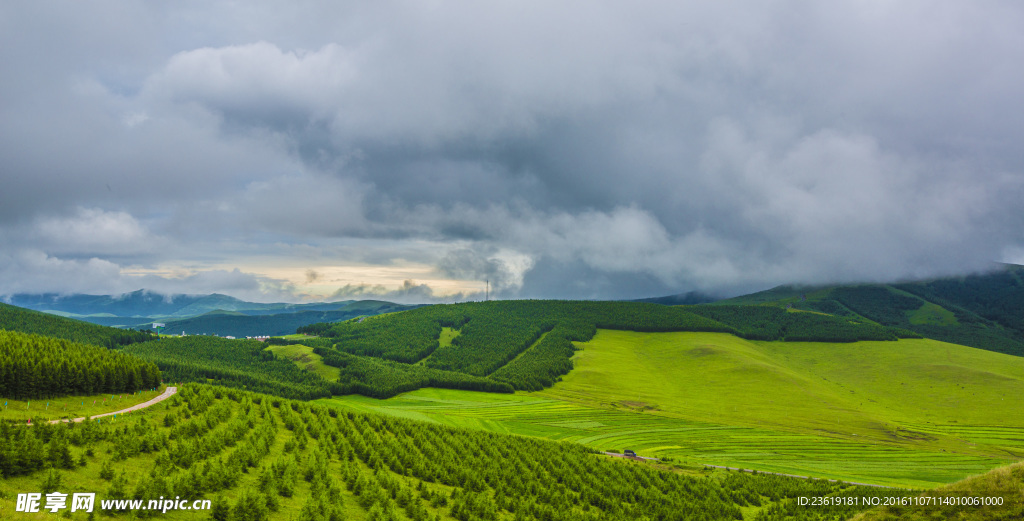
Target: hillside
982, 311
245, 364
528, 344
258, 457
995, 495
13, 318
916, 412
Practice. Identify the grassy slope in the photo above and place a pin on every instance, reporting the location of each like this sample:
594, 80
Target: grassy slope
443, 340
915, 412
304, 357
1005, 483
71, 406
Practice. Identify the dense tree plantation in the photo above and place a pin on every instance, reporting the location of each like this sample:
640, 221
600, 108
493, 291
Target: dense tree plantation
776, 323
997, 296
383, 378
529, 344
981, 311
33, 366
13, 318
878, 303
261, 457
233, 363
494, 339
885, 305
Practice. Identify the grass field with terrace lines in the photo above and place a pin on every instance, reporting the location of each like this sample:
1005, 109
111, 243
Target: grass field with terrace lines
913, 413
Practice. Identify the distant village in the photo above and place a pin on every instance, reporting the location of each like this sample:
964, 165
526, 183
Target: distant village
159, 326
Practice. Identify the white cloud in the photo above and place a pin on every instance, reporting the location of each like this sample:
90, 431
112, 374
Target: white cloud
93, 231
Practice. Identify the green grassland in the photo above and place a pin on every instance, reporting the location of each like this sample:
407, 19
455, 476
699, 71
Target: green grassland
916, 412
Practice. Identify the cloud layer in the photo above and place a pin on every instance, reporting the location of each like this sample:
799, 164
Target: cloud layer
570, 150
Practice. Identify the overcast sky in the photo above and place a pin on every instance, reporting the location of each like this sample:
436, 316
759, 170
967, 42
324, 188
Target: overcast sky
306, 150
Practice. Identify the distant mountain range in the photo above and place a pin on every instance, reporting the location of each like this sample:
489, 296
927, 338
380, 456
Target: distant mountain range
213, 314
984, 311
148, 304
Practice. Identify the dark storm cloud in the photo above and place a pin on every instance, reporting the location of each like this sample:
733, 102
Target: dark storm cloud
573, 149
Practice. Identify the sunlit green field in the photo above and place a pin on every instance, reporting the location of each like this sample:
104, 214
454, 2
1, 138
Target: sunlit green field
914, 412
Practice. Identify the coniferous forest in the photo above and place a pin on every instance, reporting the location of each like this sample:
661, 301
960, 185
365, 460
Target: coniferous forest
234, 363
33, 366
13, 318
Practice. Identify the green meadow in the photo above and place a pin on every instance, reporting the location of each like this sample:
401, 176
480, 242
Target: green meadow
71, 406
916, 412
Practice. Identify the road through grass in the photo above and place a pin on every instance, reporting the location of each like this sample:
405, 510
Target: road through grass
71, 406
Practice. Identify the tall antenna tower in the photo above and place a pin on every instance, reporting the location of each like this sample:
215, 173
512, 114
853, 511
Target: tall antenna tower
487, 293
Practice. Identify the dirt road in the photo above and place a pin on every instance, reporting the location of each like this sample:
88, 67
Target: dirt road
166, 394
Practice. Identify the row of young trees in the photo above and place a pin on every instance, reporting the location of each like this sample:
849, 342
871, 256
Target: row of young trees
33, 366
215, 442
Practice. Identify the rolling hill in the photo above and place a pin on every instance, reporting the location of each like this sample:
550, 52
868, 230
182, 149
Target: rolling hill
13, 318
983, 311
256, 457
915, 412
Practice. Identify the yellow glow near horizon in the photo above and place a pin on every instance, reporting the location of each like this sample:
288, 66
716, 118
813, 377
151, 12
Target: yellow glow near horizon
329, 279
324, 280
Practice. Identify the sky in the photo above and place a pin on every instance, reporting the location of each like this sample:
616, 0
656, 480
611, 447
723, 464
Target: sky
418, 151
